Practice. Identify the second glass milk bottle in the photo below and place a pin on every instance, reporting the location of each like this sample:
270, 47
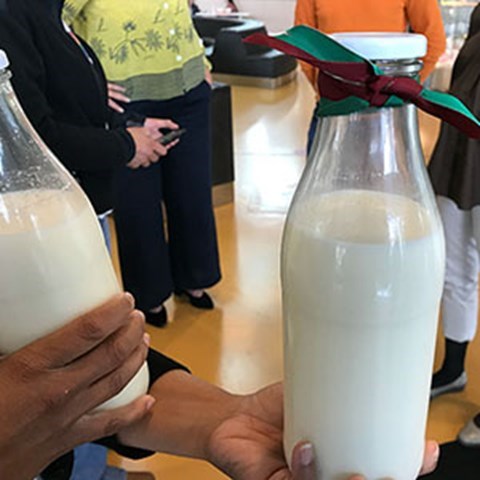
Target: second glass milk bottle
362, 275
54, 264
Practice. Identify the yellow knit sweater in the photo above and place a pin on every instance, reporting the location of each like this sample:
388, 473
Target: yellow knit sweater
148, 46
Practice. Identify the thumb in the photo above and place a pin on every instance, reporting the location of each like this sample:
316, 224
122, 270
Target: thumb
430, 460
303, 462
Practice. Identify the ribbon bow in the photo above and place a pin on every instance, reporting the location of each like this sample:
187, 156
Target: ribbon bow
350, 83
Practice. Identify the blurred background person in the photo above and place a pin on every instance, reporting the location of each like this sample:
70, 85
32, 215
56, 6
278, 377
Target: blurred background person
455, 173
152, 51
419, 16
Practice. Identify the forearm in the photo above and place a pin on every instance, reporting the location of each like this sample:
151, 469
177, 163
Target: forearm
425, 17
87, 148
311, 73
186, 413
436, 47
428, 67
305, 15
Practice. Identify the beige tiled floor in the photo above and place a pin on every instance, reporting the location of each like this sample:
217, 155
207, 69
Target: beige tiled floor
238, 345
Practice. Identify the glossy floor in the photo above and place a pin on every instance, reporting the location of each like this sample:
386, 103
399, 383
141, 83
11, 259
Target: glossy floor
239, 344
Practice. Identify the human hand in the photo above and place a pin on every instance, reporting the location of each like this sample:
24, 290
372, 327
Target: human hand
208, 76
49, 389
154, 125
148, 149
249, 444
116, 93
430, 458
240, 435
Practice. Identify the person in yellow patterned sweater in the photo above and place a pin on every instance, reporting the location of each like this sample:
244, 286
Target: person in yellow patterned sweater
150, 49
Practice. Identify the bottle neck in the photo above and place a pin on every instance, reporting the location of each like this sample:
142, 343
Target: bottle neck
360, 147
377, 129
376, 149
25, 161
400, 68
372, 150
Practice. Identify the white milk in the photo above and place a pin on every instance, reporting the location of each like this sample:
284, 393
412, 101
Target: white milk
53, 267
360, 308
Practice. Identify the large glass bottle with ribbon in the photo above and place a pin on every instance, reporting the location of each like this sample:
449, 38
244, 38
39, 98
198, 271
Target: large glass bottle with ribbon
54, 264
362, 275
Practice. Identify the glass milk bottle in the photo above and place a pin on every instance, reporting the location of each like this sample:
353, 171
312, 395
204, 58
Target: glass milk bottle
54, 264
362, 274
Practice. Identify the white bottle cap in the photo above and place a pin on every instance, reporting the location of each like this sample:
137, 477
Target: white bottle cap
4, 63
383, 45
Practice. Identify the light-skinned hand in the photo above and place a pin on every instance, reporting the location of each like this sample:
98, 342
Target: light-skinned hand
116, 93
148, 149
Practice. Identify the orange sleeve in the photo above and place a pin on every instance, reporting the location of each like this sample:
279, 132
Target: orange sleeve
305, 15
424, 17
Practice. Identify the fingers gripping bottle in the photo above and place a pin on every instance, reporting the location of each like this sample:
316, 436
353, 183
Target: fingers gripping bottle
362, 275
54, 264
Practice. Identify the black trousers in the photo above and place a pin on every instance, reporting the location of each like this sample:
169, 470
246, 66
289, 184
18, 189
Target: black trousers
185, 256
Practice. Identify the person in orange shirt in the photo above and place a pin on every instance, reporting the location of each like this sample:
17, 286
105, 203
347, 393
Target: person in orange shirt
332, 16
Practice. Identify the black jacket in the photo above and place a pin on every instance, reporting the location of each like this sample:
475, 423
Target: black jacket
64, 95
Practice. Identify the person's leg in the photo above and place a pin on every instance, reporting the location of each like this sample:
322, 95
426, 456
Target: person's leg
186, 191
460, 296
114, 473
90, 462
188, 197
469, 436
143, 251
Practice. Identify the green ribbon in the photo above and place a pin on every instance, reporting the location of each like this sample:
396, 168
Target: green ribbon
349, 83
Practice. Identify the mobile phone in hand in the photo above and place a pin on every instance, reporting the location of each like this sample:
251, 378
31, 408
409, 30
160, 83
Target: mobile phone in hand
171, 136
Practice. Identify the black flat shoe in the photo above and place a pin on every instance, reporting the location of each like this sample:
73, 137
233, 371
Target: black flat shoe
204, 302
470, 434
157, 319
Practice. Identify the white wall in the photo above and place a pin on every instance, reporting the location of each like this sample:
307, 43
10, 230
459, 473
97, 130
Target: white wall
277, 14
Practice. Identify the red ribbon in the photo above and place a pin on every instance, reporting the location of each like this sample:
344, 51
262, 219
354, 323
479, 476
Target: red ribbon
375, 89
357, 79
340, 80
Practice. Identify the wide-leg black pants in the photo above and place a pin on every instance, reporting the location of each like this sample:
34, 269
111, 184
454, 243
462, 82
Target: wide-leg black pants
154, 261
